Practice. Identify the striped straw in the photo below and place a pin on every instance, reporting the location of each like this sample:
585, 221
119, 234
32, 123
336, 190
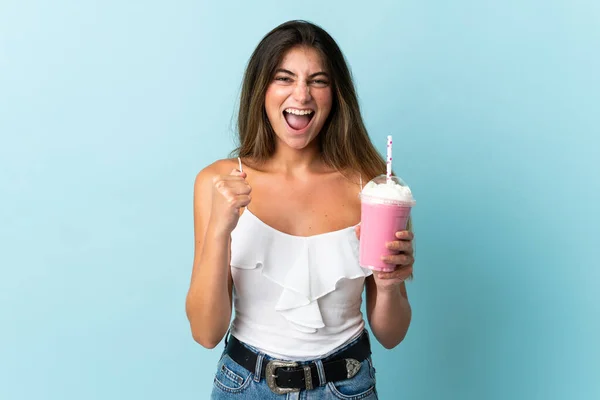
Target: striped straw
389, 159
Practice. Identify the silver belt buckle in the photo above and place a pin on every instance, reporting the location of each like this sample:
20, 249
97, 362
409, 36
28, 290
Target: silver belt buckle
352, 367
271, 377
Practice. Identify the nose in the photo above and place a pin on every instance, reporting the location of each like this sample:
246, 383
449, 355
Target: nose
302, 93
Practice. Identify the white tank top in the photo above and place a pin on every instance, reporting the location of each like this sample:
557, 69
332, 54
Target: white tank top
295, 297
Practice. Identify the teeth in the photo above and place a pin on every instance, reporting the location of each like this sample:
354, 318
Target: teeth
298, 112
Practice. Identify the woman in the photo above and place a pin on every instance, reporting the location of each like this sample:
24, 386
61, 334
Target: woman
280, 225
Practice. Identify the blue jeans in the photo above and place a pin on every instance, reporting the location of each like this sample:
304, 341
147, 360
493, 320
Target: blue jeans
232, 381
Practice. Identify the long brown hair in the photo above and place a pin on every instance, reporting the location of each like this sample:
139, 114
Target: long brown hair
344, 142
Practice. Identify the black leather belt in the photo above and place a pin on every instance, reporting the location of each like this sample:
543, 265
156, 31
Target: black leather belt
287, 376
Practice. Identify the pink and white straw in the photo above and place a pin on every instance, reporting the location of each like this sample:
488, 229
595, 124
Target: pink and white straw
389, 159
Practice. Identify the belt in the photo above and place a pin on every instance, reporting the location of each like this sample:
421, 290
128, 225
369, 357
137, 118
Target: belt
288, 376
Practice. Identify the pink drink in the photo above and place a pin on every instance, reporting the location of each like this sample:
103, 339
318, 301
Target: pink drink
385, 208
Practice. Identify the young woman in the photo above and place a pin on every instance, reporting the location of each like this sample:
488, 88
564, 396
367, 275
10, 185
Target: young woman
277, 233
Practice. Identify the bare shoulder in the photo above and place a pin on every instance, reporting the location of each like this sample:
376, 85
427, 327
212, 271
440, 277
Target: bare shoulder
219, 167
352, 181
205, 178
354, 178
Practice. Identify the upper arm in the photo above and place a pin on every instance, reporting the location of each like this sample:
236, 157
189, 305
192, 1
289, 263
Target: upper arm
202, 203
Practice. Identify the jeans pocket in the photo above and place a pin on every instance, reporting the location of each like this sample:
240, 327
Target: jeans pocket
231, 377
372, 370
359, 387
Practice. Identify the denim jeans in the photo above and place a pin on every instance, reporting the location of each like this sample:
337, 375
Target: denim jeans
232, 381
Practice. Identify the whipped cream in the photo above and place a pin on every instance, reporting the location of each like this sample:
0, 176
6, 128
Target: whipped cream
389, 191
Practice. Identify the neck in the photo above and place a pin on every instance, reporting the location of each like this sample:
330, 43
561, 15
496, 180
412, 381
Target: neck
290, 161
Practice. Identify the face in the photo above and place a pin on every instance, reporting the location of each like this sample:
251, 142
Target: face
298, 100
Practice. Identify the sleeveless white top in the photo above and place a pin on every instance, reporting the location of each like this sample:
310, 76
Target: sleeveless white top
295, 297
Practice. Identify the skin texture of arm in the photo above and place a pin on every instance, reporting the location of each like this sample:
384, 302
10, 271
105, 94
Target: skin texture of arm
217, 201
388, 309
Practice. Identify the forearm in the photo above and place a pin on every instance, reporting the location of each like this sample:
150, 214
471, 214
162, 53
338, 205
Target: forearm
390, 316
208, 304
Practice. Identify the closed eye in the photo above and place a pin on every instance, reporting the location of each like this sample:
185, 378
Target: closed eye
320, 82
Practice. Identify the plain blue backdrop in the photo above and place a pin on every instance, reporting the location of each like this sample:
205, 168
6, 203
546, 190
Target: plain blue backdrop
108, 109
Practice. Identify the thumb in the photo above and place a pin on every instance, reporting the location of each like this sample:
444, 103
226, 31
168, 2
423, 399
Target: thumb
357, 231
235, 172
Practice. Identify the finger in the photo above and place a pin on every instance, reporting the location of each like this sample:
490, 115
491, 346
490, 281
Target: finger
357, 231
240, 201
232, 188
232, 193
401, 274
398, 259
402, 246
236, 172
221, 180
398, 272
405, 235
239, 187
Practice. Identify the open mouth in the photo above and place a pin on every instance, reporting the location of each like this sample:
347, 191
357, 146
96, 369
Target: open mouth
298, 119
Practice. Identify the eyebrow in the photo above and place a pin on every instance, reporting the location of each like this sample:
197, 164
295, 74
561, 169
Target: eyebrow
285, 71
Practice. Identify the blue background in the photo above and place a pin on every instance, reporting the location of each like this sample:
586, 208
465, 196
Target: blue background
108, 109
